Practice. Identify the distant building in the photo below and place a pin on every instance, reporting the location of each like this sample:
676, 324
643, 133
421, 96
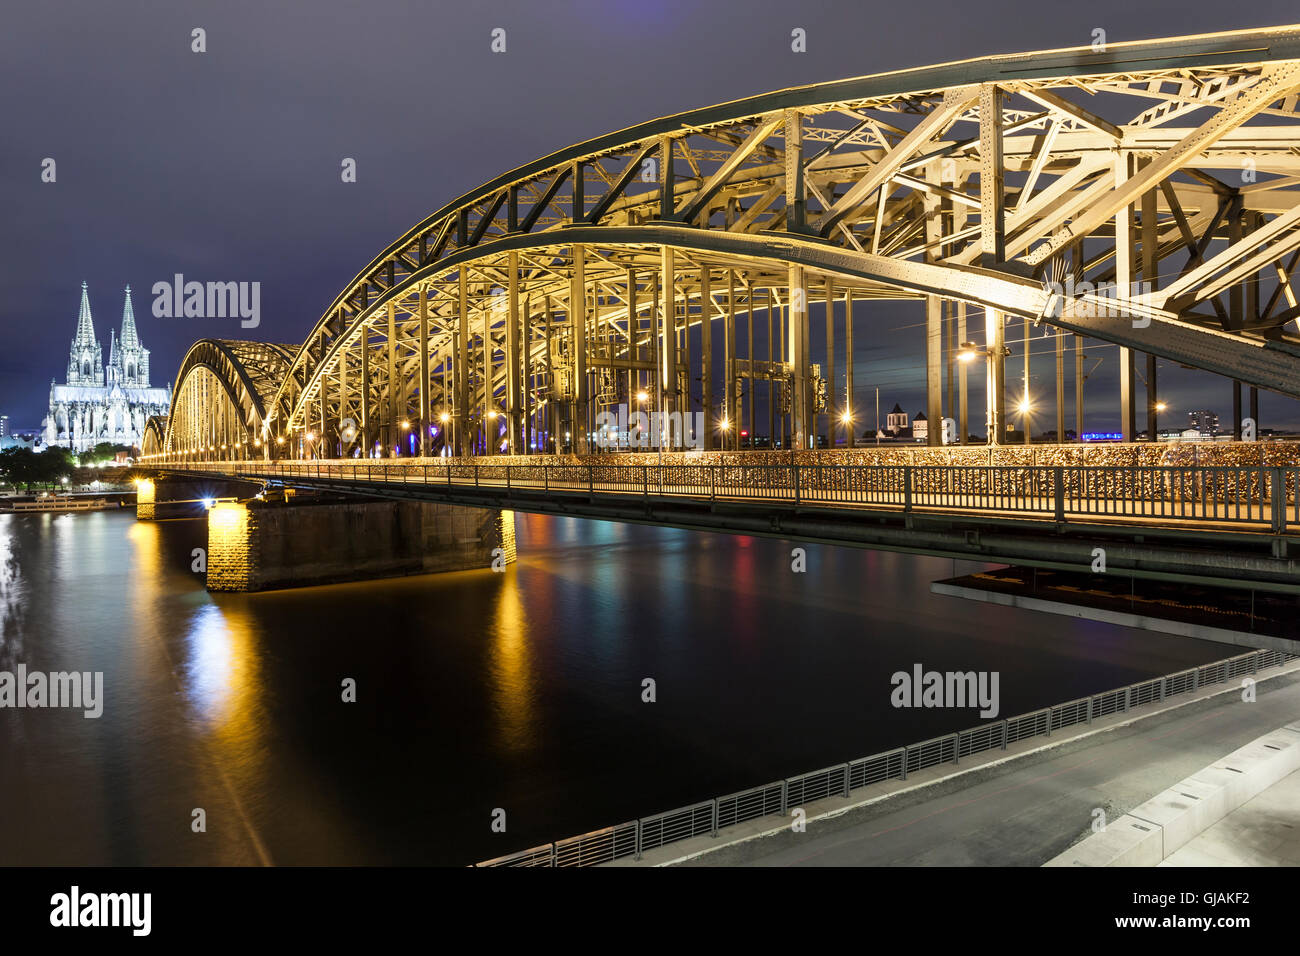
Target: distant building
1205, 422
897, 427
896, 421
99, 403
4, 426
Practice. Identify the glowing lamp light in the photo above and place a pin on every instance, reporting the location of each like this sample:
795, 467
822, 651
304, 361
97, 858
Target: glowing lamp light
405, 423
967, 352
642, 396
724, 424
1161, 406
208, 503
444, 417
492, 415
1024, 406
847, 418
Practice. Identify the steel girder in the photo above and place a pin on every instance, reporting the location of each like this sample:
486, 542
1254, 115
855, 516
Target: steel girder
980, 181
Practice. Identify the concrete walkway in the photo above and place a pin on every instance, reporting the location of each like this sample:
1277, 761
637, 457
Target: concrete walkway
1264, 831
1025, 811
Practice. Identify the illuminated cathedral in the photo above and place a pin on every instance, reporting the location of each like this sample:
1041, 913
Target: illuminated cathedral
102, 403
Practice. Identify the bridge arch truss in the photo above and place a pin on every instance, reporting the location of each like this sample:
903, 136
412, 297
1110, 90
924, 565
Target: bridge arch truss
639, 262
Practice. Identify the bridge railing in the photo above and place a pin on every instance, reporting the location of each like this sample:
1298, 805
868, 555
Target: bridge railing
779, 797
1255, 495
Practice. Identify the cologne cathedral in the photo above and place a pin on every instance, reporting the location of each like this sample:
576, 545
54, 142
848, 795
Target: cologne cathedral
102, 403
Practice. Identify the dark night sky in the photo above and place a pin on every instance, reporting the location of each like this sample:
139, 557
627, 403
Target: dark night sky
225, 165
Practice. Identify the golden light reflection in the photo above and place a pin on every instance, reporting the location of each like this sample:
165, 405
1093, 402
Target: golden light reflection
217, 663
514, 683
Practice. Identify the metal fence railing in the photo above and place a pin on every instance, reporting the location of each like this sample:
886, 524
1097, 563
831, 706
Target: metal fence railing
778, 797
1260, 496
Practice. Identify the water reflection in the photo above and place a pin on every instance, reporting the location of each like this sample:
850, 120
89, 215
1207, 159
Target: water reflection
476, 690
513, 680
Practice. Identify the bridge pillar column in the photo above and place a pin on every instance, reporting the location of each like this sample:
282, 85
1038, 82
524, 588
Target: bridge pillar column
423, 416
461, 367
367, 434
800, 405
668, 340
578, 424
995, 376
1123, 287
935, 217
706, 355
513, 413
963, 405
850, 425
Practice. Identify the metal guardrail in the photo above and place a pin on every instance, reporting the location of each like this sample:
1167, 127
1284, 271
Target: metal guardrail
778, 797
1267, 498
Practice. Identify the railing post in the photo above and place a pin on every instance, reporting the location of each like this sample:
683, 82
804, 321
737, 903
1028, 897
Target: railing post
1058, 478
591, 480
507, 477
907, 488
796, 482
1006, 732
714, 829
713, 481
1277, 501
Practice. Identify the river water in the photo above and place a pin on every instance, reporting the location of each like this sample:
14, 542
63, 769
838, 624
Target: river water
225, 737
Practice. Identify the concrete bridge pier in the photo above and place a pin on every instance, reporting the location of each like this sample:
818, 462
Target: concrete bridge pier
257, 545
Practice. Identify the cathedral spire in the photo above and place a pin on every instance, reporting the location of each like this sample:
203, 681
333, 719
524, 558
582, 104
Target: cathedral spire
85, 327
130, 338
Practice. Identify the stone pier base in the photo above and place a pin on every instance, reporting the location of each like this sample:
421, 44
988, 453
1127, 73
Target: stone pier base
254, 546
158, 497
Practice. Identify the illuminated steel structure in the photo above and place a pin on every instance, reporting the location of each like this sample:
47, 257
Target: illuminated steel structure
636, 264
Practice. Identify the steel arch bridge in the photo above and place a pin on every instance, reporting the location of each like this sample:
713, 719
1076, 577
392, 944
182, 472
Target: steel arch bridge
219, 405
631, 266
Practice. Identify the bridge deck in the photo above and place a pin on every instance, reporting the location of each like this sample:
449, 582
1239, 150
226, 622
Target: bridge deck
1227, 525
